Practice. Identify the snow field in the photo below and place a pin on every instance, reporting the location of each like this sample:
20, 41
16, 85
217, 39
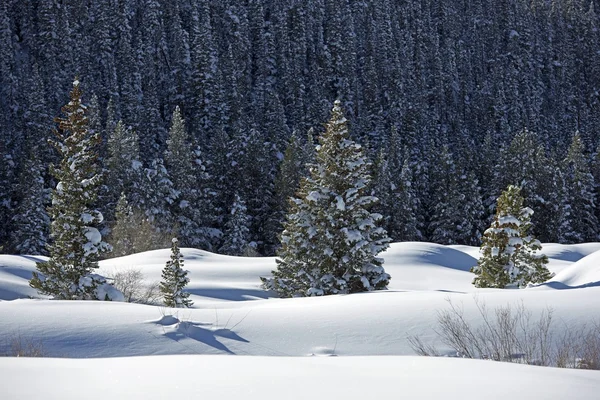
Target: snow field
232, 315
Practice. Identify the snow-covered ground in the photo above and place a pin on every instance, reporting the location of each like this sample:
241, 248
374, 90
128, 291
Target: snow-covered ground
233, 316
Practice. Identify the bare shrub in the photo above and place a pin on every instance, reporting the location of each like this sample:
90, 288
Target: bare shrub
422, 348
510, 333
19, 346
579, 347
133, 286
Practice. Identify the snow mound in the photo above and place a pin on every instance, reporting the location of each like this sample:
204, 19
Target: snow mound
15, 273
569, 252
428, 266
583, 273
429, 254
234, 378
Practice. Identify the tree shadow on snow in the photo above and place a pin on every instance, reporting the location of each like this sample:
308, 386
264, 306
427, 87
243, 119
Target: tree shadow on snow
449, 258
562, 286
195, 331
231, 294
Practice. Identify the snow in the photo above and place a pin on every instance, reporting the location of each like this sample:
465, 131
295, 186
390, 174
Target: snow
276, 378
93, 235
189, 350
508, 219
341, 205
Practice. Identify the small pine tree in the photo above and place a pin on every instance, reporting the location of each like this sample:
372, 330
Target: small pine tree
509, 256
174, 280
76, 242
331, 239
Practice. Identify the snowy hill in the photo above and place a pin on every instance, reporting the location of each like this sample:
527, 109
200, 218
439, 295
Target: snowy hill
233, 315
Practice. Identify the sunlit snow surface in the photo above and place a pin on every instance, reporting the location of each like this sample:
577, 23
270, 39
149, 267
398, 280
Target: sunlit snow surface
232, 315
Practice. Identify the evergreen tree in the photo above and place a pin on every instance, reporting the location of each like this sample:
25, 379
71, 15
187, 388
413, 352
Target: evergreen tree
331, 239
76, 242
121, 238
236, 235
159, 197
509, 255
595, 170
30, 222
180, 162
579, 222
124, 169
291, 170
174, 280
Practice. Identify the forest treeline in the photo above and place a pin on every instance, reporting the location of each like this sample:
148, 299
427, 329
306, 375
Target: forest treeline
209, 112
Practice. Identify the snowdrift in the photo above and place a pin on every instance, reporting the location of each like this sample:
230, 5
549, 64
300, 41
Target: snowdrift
266, 378
232, 315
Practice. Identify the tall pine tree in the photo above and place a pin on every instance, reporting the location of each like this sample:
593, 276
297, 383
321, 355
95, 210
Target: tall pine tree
76, 242
331, 239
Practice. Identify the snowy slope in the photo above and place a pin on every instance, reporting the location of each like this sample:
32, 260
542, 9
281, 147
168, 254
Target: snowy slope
277, 378
233, 316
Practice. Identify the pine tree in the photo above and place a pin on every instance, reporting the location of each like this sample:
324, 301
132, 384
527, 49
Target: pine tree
237, 234
121, 233
291, 170
190, 211
331, 239
174, 280
30, 222
159, 197
579, 222
509, 255
125, 170
76, 242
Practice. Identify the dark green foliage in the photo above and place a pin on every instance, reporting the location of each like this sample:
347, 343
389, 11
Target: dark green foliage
76, 243
331, 239
509, 255
174, 280
236, 240
435, 72
31, 223
579, 222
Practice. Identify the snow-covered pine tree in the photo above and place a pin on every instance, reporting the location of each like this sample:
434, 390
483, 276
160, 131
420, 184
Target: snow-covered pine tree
190, 209
174, 280
579, 223
124, 169
76, 242
509, 256
331, 239
291, 170
237, 233
30, 222
158, 197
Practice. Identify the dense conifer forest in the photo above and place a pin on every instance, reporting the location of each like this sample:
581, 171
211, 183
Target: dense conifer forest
209, 111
